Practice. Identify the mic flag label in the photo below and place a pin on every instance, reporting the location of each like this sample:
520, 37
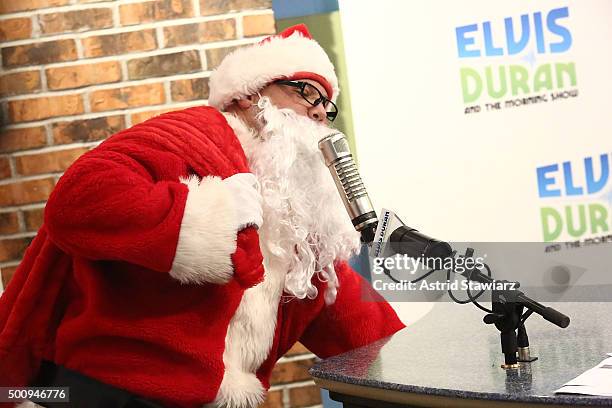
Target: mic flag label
387, 223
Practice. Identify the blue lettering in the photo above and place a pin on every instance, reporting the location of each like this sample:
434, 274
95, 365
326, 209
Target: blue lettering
594, 186
551, 35
490, 49
544, 182
553, 27
463, 41
537, 20
514, 47
570, 189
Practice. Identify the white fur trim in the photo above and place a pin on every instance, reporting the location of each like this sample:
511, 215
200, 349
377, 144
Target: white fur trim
245, 71
249, 338
208, 233
244, 134
239, 390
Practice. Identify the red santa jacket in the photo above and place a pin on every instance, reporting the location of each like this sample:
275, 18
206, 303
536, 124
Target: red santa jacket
137, 277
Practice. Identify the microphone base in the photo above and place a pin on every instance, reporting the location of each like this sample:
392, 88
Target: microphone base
510, 366
524, 356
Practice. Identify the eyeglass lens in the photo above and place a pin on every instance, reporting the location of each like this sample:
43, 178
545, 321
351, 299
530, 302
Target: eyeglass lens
314, 97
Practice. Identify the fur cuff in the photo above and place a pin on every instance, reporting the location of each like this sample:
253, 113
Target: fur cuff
208, 234
239, 390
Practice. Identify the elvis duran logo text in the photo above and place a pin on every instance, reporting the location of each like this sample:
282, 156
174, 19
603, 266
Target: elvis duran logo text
578, 200
535, 70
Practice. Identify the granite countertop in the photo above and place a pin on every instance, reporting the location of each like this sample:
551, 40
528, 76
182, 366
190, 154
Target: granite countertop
451, 353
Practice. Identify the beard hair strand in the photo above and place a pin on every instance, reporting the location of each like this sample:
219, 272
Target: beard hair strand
305, 228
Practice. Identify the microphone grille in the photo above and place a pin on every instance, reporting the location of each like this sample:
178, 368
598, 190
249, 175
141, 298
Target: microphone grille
350, 178
337, 155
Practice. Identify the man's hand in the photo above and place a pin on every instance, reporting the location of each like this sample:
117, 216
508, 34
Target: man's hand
247, 199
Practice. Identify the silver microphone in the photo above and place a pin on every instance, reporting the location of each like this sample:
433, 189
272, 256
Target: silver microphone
339, 160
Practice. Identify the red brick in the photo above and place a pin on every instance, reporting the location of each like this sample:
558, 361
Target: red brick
15, 29
298, 348
274, 399
209, 7
12, 6
7, 273
13, 249
291, 371
199, 33
129, 97
24, 110
258, 25
22, 139
138, 13
26, 192
33, 219
214, 56
77, 20
19, 83
76, 76
162, 65
39, 53
5, 168
305, 396
87, 130
9, 223
121, 43
142, 116
50, 162
189, 89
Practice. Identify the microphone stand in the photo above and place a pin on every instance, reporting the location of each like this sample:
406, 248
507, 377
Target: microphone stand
508, 317
507, 304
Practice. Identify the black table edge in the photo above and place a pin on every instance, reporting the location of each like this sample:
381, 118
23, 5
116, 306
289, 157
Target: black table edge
377, 397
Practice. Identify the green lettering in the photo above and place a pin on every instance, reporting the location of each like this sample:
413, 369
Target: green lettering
518, 79
576, 232
569, 69
546, 214
598, 215
543, 78
503, 88
470, 75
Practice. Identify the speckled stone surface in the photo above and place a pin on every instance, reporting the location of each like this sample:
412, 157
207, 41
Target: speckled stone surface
451, 353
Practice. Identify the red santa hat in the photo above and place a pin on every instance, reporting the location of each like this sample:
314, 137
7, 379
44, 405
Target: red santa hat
292, 54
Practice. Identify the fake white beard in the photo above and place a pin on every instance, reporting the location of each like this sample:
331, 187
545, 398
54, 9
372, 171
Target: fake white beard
305, 225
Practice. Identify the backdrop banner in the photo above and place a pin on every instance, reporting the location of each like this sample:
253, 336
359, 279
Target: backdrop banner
485, 121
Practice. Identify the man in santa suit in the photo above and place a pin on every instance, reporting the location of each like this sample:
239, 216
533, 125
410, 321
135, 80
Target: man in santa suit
182, 257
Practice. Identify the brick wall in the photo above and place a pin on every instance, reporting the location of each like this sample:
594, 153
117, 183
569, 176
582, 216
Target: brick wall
73, 72
292, 386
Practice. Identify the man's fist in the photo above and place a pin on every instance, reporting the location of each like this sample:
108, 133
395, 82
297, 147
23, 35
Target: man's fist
247, 199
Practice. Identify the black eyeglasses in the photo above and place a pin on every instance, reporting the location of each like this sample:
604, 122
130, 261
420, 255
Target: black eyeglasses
313, 96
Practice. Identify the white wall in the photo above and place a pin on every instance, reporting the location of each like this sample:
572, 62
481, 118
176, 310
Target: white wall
467, 177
